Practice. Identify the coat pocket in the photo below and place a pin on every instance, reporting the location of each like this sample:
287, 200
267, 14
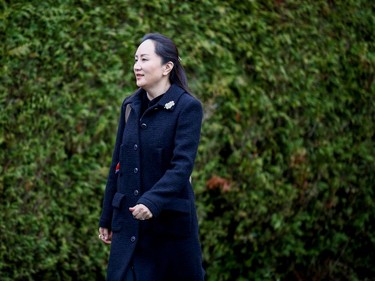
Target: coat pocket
175, 221
118, 218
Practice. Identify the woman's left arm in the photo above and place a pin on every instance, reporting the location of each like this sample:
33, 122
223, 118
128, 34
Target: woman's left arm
186, 143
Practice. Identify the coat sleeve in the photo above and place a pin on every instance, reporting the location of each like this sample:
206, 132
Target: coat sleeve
111, 186
186, 143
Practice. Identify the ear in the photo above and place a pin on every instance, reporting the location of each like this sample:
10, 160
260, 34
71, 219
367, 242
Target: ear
168, 68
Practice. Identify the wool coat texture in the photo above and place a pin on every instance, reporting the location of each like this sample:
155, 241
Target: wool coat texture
156, 151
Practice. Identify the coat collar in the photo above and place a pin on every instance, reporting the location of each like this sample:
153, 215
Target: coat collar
171, 97
167, 102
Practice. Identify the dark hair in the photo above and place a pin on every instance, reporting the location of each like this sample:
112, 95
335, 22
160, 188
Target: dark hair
167, 50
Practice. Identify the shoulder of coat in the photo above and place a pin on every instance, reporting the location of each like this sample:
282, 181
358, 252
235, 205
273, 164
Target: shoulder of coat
189, 98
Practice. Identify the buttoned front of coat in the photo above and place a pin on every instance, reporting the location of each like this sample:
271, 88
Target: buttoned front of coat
156, 151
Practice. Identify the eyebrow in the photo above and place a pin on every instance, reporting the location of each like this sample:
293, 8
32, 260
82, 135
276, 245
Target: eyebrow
141, 55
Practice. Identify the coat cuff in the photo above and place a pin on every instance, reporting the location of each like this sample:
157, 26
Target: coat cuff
105, 223
154, 209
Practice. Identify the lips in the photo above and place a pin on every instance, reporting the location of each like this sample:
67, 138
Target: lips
139, 76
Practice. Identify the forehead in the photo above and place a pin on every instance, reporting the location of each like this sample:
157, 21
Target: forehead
146, 48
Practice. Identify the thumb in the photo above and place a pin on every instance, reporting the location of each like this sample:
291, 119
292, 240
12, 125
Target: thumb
131, 209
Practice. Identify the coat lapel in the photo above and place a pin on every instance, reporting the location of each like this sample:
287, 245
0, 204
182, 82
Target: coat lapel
135, 102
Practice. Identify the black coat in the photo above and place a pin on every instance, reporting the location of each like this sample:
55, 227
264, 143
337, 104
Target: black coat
156, 152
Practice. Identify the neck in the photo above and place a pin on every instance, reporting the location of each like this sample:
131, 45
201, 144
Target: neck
158, 90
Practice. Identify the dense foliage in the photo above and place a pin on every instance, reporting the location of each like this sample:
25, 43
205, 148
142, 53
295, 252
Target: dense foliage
285, 173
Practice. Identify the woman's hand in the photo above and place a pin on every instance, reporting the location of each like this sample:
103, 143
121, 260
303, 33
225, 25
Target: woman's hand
105, 235
140, 212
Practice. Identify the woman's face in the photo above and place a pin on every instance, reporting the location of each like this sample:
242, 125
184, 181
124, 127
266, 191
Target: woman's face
148, 67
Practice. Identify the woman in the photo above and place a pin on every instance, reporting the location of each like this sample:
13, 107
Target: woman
149, 215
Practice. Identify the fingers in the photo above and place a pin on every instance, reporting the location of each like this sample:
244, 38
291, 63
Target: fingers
140, 212
105, 235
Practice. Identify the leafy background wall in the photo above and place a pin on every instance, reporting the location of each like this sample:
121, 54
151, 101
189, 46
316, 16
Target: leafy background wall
284, 178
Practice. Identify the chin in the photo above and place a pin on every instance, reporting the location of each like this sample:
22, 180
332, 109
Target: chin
140, 84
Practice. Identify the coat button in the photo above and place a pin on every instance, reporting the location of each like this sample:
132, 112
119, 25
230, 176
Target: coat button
143, 125
132, 239
135, 170
135, 147
136, 192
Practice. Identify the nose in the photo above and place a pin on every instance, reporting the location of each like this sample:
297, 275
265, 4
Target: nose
137, 66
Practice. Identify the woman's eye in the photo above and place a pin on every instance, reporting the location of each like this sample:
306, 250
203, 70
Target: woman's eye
136, 60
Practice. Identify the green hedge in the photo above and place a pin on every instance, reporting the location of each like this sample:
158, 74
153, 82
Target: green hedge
285, 173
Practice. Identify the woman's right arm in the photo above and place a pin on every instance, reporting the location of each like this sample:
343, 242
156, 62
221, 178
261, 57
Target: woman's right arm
110, 190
